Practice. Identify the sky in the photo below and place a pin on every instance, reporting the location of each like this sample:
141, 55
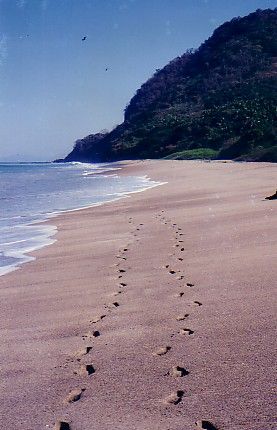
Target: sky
54, 86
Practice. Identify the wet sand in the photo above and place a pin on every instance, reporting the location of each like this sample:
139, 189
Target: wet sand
150, 313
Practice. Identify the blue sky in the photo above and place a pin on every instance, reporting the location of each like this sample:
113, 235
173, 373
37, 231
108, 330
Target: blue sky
54, 87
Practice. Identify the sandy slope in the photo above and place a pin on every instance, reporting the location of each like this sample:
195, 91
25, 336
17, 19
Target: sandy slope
209, 226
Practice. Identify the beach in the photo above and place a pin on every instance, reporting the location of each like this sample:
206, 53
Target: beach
152, 312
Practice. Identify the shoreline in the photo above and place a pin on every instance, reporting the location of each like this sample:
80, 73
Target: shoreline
190, 266
48, 238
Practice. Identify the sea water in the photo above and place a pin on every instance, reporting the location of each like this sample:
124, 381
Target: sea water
31, 193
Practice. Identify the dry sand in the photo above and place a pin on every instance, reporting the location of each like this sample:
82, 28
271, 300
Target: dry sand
150, 313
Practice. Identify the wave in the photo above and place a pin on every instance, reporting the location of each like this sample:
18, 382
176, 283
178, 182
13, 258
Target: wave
41, 193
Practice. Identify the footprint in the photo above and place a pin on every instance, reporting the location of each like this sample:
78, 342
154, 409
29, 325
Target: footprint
189, 284
74, 395
97, 319
178, 372
180, 259
141, 224
182, 249
182, 317
122, 258
179, 294
125, 249
62, 425
83, 351
180, 278
86, 369
186, 331
121, 270
87, 335
174, 398
96, 333
166, 266
115, 304
204, 424
112, 305
90, 335
116, 293
162, 351
122, 284
172, 272
196, 302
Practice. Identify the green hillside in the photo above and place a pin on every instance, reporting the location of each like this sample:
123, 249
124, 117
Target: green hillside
217, 102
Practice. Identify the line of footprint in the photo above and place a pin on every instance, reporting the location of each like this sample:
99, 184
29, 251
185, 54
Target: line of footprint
88, 368
179, 371
176, 371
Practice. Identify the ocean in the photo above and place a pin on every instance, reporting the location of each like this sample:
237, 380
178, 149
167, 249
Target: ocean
31, 193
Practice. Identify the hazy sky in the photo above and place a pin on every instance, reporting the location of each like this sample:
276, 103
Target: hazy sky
54, 87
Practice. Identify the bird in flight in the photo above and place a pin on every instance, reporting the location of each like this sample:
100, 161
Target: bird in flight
84, 38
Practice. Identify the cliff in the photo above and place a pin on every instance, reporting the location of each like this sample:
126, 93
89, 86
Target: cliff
216, 102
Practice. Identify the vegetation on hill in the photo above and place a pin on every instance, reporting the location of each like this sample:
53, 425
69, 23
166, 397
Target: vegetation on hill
216, 102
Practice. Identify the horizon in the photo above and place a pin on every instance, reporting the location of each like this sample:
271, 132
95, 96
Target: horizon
69, 70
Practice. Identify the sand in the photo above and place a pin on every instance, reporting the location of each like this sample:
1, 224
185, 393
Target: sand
150, 313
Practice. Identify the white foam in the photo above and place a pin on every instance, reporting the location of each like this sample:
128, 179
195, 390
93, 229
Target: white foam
21, 256
22, 235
